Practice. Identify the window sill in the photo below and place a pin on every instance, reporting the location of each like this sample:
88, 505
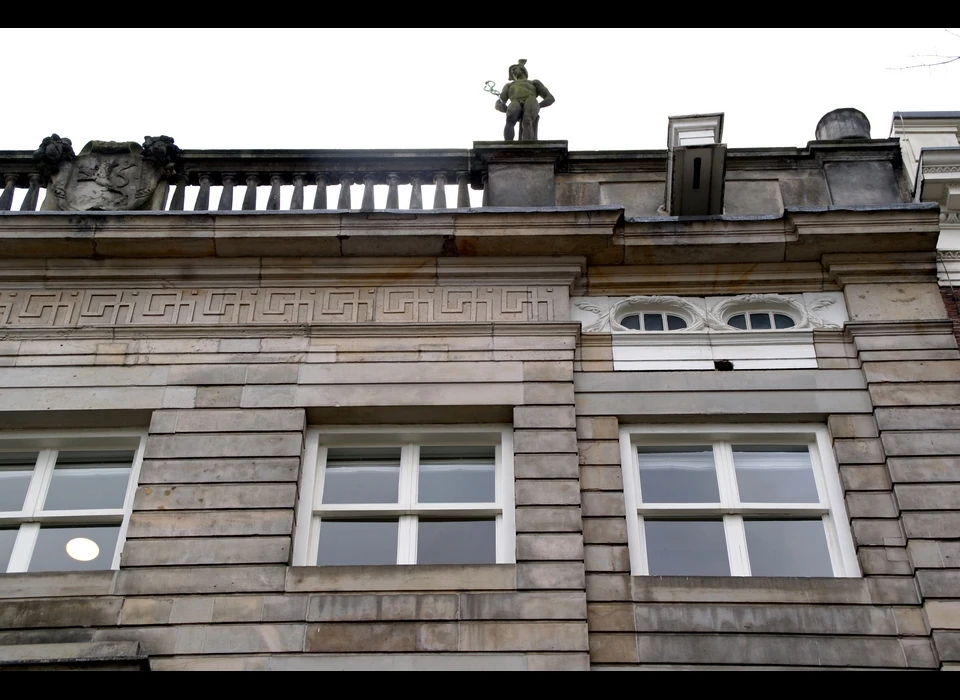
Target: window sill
449, 577
749, 589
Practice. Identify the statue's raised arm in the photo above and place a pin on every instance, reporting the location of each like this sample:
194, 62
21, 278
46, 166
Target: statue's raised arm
519, 100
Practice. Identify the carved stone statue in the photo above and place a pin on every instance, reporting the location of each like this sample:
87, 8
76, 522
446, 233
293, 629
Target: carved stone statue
107, 175
522, 94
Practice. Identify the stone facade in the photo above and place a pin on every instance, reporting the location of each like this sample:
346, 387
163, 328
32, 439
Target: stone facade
226, 337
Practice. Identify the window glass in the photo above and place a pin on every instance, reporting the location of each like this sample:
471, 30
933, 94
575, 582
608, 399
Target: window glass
653, 322
686, 548
677, 475
16, 470
738, 321
74, 548
675, 323
362, 475
456, 542
775, 474
760, 321
89, 480
787, 548
783, 321
8, 537
457, 475
356, 542
632, 322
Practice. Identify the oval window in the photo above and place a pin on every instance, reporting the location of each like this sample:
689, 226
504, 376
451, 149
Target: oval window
761, 321
655, 321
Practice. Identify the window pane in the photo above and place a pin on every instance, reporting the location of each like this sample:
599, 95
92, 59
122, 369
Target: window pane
89, 480
774, 474
362, 475
738, 321
74, 548
355, 542
760, 322
783, 321
632, 322
675, 323
686, 548
677, 475
16, 469
456, 542
457, 475
787, 548
7, 538
652, 322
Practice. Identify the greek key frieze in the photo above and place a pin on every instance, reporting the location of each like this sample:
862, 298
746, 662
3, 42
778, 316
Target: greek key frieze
242, 306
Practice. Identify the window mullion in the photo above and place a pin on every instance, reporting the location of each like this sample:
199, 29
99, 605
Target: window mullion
42, 474
726, 474
407, 540
407, 527
736, 545
23, 547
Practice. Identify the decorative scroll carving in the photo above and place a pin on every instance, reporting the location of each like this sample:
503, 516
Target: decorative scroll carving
316, 305
107, 175
608, 319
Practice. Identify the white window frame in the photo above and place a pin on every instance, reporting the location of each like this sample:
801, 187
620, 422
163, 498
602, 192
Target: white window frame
770, 314
32, 516
830, 506
310, 510
655, 312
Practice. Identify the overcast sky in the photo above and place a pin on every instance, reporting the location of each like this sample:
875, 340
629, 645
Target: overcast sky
403, 88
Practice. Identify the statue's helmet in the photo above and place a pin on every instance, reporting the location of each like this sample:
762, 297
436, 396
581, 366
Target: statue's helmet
519, 64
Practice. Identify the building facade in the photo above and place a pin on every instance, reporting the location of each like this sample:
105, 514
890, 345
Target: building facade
686, 408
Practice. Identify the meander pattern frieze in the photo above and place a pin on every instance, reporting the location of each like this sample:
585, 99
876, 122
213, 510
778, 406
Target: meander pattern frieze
312, 305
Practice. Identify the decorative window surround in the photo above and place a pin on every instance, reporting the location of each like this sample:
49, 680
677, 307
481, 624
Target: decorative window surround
383, 513
708, 338
65, 498
708, 493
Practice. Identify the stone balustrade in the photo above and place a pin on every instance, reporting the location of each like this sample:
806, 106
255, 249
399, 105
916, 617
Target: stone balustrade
297, 180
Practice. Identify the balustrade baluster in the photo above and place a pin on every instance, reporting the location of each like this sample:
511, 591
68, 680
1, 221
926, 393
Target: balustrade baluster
416, 195
393, 191
250, 196
320, 199
226, 194
369, 180
273, 201
9, 186
296, 201
345, 182
440, 192
179, 194
33, 192
203, 196
463, 190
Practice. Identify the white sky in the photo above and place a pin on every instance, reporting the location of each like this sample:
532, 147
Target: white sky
405, 88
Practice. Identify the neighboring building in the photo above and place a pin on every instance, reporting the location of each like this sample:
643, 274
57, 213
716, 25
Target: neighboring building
687, 408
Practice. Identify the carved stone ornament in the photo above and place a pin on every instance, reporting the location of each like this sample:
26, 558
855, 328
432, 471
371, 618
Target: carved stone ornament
107, 175
609, 319
803, 316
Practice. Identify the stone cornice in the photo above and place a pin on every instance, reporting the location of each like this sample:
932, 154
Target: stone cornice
879, 268
852, 329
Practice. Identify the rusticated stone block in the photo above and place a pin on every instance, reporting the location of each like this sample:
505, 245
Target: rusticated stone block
752, 589
611, 617
921, 443
223, 445
557, 662
865, 477
560, 519
603, 504
218, 396
63, 612
887, 561
910, 621
852, 426
544, 417
608, 587
191, 610
237, 608
540, 393
943, 614
234, 579
878, 532
925, 554
948, 645
924, 469
614, 649
215, 496
600, 452
57, 584
604, 531
252, 639
331, 637
893, 590
859, 451
546, 466
598, 428
547, 371
946, 418
523, 636
543, 441
552, 605
601, 479
940, 583
391, 579
871, 505
206, 471
550, 576
544, 547
146, 611
379, 608
284, 608
928, 496
543, 492
942, 525
214, 523
604, 558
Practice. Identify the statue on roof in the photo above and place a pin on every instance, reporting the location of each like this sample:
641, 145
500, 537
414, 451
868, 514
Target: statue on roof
521, 93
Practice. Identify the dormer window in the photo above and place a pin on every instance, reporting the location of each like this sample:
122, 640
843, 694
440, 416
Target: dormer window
651, 322
761, 321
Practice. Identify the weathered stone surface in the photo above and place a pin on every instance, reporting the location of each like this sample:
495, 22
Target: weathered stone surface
210, 524
893, 590
115, 656
604, 531
227, 421
379, 608
928, 497
214, 550
595, 478
921, 443
933, 525
550, 547
233, 579
205, 471
523, 636
947, 418
599, 428
549, 466
542, 492
559, 519
608, 587
943, 614
925, 469
925, 394
939, 583
62, 612
753, 589
551, 605
603, 558
917, 371
614, 649
550, 575
223, 445
611, 617
603, 504
948, 645
544, 441
853, 426
486, 577
865, 477
889, 561
871, 505
543, 417
859, 451
215, 497
57, 584
330, 637
878, 532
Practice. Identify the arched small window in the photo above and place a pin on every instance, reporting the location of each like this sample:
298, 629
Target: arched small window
761, 321
653, 321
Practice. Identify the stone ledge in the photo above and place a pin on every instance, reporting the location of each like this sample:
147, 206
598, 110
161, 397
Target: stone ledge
75, 655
